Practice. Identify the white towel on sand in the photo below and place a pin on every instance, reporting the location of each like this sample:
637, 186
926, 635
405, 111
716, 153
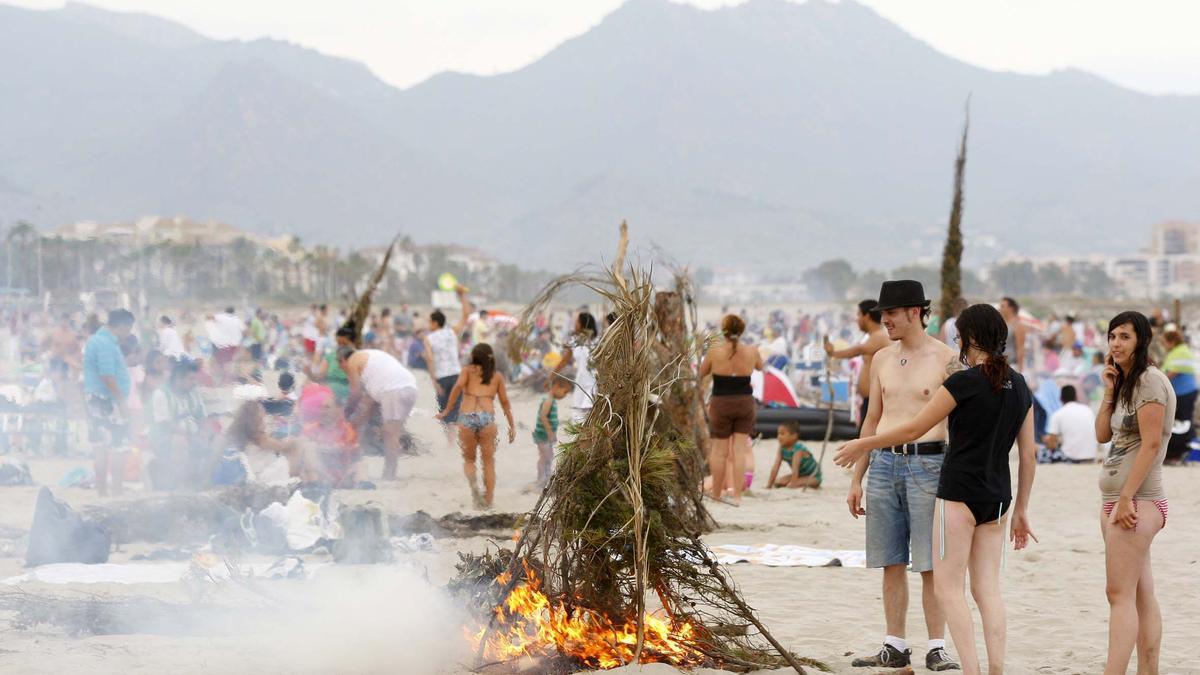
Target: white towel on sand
787, 555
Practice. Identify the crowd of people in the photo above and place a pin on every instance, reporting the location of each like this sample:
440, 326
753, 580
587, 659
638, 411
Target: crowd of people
939, 409
188, 401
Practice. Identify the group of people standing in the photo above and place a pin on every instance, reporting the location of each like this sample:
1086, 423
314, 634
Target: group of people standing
938, 421
938, 428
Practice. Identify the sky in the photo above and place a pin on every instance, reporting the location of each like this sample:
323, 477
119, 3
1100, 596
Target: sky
1147, 45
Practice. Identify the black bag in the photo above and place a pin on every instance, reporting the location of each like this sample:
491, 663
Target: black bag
60, 535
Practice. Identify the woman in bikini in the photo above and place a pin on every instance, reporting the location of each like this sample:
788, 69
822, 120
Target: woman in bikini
1136, 415
990, 407
732, 407
479, 385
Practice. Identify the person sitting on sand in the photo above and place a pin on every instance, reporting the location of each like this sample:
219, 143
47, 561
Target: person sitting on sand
281, 409
250, 451
1071, 432
177, 429
479, 385
338, 458
804, 470
324, 367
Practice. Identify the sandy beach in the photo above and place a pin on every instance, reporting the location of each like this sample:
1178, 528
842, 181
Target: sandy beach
350, 619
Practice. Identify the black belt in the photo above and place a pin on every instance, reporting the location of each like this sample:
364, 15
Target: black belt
926, 448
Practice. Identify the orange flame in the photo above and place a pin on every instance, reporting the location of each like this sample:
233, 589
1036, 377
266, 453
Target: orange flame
528, 624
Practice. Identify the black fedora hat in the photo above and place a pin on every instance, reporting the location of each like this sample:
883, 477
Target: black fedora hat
901, 293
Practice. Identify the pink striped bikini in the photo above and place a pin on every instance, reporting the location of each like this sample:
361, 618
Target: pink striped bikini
1161, 504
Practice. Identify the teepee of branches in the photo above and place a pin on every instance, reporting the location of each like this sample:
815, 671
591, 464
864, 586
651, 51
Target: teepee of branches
952, 253
616, 532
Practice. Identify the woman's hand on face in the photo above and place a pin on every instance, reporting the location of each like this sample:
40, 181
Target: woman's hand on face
1124, 514
848, 454
1021, 534
1109, 375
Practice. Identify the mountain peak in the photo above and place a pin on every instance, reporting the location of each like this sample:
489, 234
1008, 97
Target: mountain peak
142, 27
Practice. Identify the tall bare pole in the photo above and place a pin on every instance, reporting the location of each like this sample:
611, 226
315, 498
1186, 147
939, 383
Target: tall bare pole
952, 253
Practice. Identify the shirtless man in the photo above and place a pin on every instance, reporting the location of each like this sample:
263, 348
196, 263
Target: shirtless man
1014, 347
877, 338
379, 377
904, 479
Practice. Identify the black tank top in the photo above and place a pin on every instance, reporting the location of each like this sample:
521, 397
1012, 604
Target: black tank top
731, 385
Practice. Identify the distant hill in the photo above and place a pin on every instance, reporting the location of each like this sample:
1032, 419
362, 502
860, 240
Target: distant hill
771, 134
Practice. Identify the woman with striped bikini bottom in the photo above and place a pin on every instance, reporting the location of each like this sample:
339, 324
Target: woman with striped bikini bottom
1136, 415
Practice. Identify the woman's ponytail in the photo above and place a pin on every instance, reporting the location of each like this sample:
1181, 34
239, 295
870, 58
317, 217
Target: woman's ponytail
732, 328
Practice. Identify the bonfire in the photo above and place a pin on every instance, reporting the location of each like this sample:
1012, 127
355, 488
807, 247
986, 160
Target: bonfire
608, 568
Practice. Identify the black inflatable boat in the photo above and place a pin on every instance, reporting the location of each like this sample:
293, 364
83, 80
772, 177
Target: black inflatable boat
812, 422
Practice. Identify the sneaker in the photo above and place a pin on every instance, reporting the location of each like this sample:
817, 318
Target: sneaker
938, 660
888, 657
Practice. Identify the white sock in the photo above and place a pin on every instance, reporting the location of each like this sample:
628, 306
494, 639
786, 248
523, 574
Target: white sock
897, 642
937, 644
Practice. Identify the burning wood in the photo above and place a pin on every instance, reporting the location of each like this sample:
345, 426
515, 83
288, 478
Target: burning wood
528, 623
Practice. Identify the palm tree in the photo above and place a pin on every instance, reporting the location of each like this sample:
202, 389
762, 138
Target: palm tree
18, 237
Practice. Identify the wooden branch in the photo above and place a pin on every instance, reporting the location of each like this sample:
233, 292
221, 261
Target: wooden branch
829, 421
622, 247
714, 569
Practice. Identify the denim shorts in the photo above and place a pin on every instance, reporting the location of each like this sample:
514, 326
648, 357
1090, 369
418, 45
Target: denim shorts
901, 491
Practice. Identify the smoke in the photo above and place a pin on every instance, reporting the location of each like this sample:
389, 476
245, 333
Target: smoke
360, 619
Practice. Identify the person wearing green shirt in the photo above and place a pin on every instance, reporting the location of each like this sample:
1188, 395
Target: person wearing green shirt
805, 472
258, 335
325, 369
1180, 367
545, 431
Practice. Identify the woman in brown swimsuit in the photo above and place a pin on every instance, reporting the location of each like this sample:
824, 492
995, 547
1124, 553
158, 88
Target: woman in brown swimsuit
732, 407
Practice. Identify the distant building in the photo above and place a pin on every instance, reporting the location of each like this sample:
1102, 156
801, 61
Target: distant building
161, 229
1176, 238
1169, 267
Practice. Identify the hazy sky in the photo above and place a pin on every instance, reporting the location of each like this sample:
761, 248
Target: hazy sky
1150, 45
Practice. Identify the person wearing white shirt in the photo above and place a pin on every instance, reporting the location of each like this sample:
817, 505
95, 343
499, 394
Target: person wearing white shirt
950, 325
579, 354
1072, 430
169, 342
225, 331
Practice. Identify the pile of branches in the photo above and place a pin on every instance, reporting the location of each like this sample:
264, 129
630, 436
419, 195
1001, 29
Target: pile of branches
620, 521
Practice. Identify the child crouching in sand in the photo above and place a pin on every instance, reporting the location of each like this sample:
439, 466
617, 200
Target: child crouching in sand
805, 472
545, 431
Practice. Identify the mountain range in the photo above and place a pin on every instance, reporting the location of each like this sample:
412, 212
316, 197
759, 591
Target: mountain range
771, 134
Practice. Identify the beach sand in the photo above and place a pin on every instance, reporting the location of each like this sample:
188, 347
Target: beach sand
389, 620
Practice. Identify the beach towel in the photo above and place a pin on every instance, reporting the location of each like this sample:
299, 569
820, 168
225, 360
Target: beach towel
787, 555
